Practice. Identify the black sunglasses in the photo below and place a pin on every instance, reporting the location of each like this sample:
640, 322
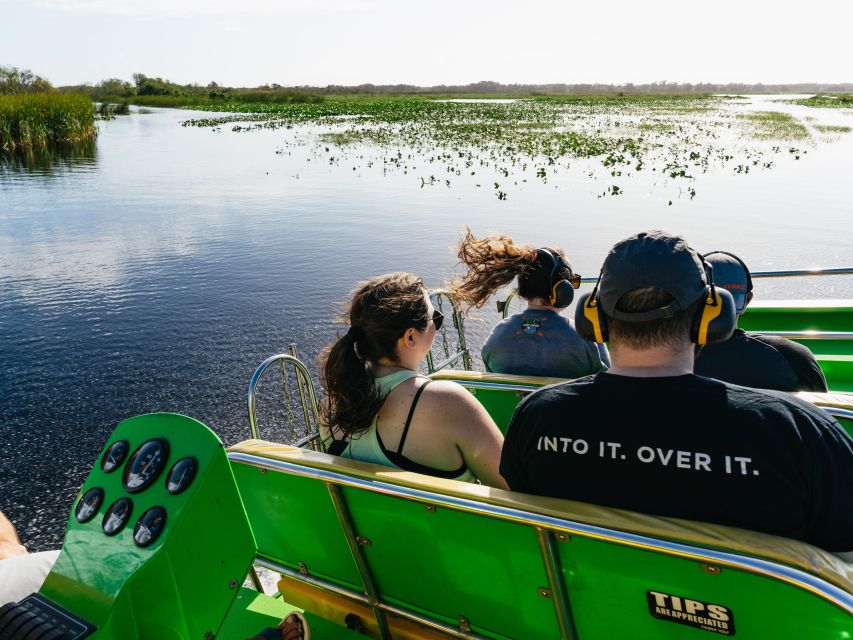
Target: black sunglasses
437, 318
575, 280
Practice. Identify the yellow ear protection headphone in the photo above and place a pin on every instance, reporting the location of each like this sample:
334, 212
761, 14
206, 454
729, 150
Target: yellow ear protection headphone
561, 291
714, 321
590, 323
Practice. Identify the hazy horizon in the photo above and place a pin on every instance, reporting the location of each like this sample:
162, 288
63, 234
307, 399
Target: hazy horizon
353, 42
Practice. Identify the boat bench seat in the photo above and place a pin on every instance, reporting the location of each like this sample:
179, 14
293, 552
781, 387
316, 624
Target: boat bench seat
411, 556
500, 394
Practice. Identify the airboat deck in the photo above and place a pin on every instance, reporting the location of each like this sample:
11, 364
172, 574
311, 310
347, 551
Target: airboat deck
371, 551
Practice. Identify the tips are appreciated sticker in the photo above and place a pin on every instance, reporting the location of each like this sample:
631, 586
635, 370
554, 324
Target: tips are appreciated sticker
693, 613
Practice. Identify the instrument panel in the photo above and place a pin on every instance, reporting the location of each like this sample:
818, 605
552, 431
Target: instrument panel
140, 471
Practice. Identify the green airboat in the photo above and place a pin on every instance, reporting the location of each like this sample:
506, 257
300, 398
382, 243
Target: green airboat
173, 536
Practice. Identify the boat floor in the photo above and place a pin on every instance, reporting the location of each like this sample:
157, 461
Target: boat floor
253, 611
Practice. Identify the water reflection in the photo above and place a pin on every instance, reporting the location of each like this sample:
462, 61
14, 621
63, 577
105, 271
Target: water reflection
50, 161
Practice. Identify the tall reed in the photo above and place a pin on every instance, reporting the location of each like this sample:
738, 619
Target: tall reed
44, 119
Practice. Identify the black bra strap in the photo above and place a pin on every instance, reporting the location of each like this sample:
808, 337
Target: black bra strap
411, 413
338, 447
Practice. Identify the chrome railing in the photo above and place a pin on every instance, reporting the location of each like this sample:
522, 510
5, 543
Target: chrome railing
503, 305
455, 320
305, 390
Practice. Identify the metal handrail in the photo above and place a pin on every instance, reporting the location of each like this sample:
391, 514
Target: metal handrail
503, 305
459, 324
301, 370
817, 271
810, 334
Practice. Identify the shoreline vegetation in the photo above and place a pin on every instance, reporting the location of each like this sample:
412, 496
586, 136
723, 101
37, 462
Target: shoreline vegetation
835, 101
671, 129
39, 120
34, 115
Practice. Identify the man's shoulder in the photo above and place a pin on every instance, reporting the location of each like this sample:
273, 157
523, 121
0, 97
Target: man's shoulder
789, 348
558, 392
770, 402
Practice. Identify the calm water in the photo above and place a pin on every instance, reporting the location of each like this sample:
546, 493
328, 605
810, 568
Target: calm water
155, 271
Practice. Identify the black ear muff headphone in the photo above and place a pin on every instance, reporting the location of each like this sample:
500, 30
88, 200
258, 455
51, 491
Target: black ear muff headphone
590, 323
745, 270
739, 261
560, 290
715, 320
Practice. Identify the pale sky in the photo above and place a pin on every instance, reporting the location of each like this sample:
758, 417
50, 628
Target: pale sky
293, 42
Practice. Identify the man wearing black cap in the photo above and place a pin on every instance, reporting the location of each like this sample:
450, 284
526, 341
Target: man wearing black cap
650, 436
750, 359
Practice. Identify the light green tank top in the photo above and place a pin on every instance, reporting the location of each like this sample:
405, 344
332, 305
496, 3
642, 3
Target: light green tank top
367, 446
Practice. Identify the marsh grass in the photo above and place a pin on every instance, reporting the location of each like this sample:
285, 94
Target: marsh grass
774, 125
832, 128
34, 120
837, 101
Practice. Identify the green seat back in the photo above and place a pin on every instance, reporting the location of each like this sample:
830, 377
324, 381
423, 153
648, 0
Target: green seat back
505, 565
295, 524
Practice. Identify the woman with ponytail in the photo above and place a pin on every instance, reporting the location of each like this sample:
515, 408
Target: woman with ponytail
538, 341
373, 388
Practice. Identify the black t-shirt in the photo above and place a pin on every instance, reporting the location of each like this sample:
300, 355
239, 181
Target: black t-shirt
687, 447
764, 362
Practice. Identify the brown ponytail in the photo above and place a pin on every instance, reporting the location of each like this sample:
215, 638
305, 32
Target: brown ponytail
492, 263
379, 313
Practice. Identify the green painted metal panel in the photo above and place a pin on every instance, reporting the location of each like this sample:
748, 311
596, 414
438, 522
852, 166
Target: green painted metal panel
252, 611
847, 423
607, 586
500, 403
835, 356
822, 316
295, 521
446, 563
181, 585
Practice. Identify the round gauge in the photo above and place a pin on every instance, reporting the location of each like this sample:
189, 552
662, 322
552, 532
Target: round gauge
145, 465
149, 526
89, 504
114, 456
181, 474
117, 516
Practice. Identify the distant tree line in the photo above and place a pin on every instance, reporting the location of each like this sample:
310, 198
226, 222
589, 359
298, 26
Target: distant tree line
488, 87
14, 81
159, 92
143, 85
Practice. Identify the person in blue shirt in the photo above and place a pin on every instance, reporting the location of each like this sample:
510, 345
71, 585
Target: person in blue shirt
538, 341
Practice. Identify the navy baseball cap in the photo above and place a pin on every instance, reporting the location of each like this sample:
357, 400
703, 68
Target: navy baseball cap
651, 259
730, 273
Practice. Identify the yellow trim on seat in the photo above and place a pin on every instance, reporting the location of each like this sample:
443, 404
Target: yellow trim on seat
834, 399
790, 552
505, 378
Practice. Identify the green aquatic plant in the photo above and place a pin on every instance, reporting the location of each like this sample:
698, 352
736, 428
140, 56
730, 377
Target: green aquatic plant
836, 101
670, 139
773, 125
45, 119
832, 128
